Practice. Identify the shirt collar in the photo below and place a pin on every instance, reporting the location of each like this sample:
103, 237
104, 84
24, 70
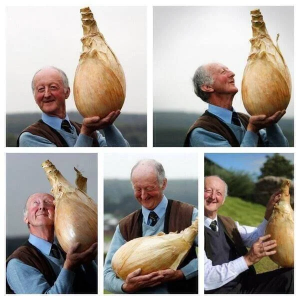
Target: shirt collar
222, 113
207, 221
160, 209
54, 122
43, 245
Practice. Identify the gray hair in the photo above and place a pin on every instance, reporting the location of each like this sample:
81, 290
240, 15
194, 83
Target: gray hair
202, 76
158, 167
225, 184
62, 74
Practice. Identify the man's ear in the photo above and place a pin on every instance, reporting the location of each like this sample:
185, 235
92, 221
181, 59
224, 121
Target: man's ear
207, 88
164, 185
67, 93
26, 220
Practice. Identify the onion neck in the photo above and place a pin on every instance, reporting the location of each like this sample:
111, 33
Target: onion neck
89, 24
258, 24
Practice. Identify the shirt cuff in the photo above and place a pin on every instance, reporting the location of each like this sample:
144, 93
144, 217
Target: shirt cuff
189, 271
250, 139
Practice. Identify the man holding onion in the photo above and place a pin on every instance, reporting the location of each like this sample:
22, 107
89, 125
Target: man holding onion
228, 264
40, 266
51, 89
221, 125
149, 182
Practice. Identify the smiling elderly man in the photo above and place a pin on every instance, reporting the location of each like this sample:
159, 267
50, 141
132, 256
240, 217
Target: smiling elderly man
50, 87
228, 264
40, 266
157, 214
221, 125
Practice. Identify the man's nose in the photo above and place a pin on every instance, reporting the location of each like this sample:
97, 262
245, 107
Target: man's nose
231, 74
42, 206
47, 92
213, 195
143, 194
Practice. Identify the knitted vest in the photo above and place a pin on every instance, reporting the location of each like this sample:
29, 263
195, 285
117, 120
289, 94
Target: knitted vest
235, 243
212, 123
32, 256
178, 216
40, 128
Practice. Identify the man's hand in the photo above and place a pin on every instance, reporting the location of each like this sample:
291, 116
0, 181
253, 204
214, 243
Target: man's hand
262, 121
171, 275
74, 259
270, 205
135, 282
260, 249
89, 125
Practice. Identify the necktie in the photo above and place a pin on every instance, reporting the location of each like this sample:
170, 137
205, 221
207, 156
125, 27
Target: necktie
235, 119
153, 217
54, 251
65, 125
213, 225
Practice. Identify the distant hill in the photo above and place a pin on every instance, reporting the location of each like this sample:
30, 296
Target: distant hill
119, 199
132, 126
170, 128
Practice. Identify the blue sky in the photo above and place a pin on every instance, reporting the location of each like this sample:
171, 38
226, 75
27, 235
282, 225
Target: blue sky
248, 162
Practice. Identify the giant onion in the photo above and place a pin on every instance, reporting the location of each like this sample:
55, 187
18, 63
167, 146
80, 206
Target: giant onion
99, 84
75, 212
154, 253
266, 84
281, 228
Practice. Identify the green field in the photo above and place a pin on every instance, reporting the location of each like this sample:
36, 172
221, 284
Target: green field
251, 214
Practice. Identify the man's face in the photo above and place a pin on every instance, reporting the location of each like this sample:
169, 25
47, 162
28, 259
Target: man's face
49, 92
147, 190
40, 210
214, 195
223, 79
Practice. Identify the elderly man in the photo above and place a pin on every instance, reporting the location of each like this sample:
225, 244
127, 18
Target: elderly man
220, 125
228, 264
50, 88
40, 266
156, 214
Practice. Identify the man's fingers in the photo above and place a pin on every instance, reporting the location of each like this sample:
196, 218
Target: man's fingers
268, 253
134, 273
264, 238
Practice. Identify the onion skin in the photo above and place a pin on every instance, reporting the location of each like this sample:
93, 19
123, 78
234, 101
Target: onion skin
99, 83
281, 228
266, 84
75, 212
154, 253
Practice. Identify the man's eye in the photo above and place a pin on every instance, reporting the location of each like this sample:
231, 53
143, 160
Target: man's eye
53, 87
41, 90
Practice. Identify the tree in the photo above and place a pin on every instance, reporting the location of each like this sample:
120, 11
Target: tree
277, 165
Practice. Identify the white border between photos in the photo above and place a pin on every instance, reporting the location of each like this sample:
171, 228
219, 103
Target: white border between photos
149, 149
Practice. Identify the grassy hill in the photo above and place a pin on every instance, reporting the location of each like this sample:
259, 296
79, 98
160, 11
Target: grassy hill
170, 128
132, 126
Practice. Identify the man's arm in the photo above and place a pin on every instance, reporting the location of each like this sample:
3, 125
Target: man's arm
111, 282
29, 140
24, 279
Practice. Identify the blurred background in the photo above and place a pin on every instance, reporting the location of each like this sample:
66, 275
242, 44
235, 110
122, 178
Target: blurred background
251, 178
186, 37
119, 201
35, 39
25, 176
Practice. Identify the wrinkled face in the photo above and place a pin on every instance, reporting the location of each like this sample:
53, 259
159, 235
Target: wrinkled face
214, 195
49, 92
223, 79
147, 190
40, 210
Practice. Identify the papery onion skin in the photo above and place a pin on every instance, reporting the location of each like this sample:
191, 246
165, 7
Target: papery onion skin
154, 253
99, 83
281, 228
266, 84
75, 212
